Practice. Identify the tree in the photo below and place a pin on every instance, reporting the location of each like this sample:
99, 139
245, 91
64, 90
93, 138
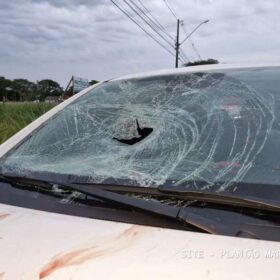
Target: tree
48, 88
4, 87
24, 88
92, 82
201, 62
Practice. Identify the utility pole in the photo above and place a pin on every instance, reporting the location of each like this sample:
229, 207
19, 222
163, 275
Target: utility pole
177, 44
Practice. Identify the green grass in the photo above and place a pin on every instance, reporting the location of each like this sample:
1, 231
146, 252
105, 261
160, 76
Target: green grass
15, 116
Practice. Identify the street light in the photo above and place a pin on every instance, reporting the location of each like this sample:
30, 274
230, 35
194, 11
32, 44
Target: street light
177, 44
194, 31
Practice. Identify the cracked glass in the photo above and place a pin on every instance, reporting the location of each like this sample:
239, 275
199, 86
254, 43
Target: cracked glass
215, 127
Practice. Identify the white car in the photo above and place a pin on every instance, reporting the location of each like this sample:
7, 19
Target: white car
164, 175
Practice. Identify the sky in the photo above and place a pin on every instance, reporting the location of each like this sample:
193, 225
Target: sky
93, 39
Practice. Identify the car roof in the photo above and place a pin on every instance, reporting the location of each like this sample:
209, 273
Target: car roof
182, 70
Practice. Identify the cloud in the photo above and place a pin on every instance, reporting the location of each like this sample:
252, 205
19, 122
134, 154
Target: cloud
93, 39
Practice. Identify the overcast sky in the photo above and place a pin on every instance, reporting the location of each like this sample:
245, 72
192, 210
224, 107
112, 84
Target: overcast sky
93, 39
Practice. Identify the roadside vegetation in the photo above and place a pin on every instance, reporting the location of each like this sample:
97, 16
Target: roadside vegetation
15, 116
24, 90
201, 62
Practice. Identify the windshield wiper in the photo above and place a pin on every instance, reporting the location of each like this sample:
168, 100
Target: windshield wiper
180, 192
192, 216
220, 198
246, 201
153, 207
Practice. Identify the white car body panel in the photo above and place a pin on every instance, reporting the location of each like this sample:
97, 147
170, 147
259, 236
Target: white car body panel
41, 245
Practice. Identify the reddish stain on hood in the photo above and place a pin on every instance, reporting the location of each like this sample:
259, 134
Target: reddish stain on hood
101, 247
3, 216
2, 274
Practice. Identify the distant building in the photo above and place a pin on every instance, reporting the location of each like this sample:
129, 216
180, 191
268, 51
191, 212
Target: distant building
53, 99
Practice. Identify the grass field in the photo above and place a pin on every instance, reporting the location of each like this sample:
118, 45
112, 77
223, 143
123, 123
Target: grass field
15, 116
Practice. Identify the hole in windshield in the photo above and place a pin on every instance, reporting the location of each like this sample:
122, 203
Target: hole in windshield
143, 133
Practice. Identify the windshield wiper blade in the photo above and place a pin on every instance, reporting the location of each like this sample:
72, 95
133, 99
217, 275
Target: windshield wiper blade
180, 193
189, 193
222, 198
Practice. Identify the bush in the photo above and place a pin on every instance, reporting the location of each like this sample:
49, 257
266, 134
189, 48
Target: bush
15, 116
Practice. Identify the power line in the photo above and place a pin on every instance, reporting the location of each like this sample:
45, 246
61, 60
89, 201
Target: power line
147, 22
150, 35
160, 26
181, 55
192, 43
122, 9
169, 8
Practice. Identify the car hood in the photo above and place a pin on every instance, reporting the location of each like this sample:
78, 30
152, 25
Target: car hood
41, 245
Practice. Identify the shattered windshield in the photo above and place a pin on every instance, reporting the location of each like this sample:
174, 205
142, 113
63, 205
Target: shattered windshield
216, 127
